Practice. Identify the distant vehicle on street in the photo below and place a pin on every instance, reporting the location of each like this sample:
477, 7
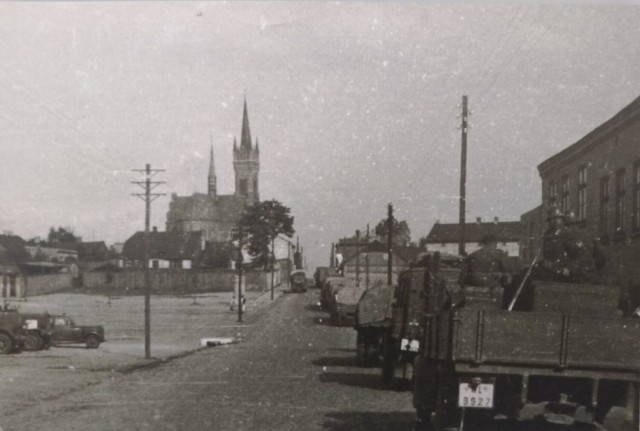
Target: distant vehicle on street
65, 331
12, 331
38, 331
298, 281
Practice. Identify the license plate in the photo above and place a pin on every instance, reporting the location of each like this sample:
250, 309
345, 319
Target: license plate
409, 345
476, 396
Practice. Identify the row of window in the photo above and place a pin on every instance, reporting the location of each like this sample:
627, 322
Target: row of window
619, 201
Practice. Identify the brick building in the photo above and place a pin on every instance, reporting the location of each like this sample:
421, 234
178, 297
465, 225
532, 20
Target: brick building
597, 181
218, 215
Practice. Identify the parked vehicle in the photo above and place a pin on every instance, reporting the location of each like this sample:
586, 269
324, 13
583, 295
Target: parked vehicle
65, 331
421, 289
372, 321
12, 331
344, 301
320, 275
571, 357
331, 284
38, 331
298, 281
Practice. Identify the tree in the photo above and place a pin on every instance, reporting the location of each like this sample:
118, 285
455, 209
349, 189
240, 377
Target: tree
63, 235
262, 223
400, 230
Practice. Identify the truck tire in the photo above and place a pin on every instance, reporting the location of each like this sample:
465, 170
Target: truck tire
6, 344
92, 341
388, 360
33, 342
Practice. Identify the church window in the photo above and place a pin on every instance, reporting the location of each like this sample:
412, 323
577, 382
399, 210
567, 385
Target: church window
243, 187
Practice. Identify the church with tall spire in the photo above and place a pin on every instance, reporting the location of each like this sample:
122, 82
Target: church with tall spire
217, 215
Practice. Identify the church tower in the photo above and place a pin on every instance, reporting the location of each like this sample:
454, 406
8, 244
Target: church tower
246, 163
212, 187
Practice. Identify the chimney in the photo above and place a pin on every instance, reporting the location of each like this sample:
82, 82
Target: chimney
478, 220
496, 220
155, 229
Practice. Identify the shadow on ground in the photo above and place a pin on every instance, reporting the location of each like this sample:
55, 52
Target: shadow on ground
369, 421
361, 380
336, 361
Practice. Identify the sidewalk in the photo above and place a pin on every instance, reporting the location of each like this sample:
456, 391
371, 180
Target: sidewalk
177, 326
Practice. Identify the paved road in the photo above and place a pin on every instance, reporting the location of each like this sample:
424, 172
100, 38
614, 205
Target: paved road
290, 372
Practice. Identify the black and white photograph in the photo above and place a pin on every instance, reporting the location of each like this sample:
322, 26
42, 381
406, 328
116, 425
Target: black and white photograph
320, 215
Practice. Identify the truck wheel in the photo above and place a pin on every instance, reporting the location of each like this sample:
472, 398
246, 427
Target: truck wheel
6, 344
388, 362
92, 341
33, 342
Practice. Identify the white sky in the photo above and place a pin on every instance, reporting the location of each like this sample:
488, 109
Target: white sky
355, 105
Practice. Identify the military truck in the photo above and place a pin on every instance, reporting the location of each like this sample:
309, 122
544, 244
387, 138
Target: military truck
372, 321
421, 289
570, 357
12, 331
38, 331
343, 301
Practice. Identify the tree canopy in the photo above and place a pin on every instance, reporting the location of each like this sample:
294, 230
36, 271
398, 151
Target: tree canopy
63, 235
261, 223
400, 231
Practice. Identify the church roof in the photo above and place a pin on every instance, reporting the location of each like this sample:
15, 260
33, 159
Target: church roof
200, 206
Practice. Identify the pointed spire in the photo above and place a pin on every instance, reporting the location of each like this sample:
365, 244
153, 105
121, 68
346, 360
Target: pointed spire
212, 174
257, 146
245, 140
235, 143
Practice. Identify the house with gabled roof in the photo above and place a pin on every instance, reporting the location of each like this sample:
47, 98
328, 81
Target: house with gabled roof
445, 237
373, 258
166, 250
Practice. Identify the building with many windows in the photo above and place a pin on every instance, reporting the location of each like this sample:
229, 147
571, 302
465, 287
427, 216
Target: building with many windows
596, 181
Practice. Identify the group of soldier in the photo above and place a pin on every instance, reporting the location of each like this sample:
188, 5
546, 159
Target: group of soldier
565, 258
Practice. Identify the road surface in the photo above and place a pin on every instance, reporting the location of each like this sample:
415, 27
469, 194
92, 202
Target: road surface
290, 371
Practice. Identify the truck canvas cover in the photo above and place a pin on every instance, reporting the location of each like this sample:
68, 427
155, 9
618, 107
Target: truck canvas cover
374, 307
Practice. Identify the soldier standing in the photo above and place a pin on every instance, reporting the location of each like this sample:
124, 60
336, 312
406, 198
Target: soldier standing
486, 267
562, 253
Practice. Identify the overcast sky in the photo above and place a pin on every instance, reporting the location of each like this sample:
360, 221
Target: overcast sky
355, 105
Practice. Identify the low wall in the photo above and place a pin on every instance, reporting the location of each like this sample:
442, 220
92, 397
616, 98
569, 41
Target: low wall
43, 284
178, 281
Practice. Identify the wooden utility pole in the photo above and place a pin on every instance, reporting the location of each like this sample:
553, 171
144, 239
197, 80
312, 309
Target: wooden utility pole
332, 257
148, 197
273, 263
463, 179
366, 262
358, 257
240, 260
389, 245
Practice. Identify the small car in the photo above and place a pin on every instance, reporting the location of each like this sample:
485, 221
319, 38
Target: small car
65, 331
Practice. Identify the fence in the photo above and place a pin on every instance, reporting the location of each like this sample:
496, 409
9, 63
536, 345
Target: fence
43, 284
181, 281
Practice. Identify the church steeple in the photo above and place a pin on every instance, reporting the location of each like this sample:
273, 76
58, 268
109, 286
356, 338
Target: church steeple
246, 162
245, 139
213, 192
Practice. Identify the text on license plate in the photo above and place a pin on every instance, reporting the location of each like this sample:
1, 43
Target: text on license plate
478, 397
